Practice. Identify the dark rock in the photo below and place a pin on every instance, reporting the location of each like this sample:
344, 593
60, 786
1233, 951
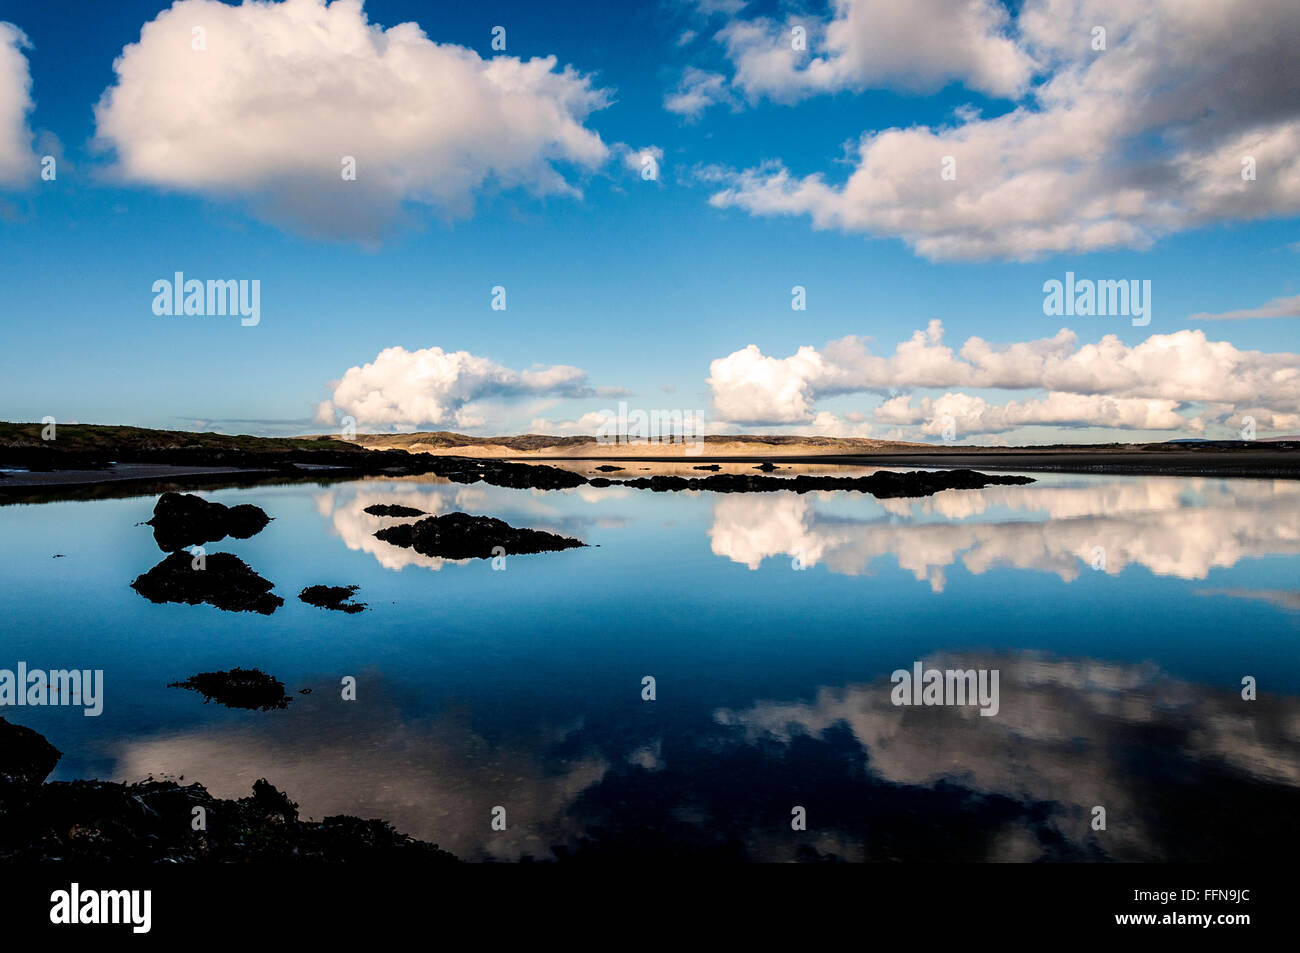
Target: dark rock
609, 469
708, 466
26, 759
226, 582
238, 688
183, 519
602, 481
519, 476
271, 806
150, 822
392, 509
882, 484
332, 597
461, 536
767, 466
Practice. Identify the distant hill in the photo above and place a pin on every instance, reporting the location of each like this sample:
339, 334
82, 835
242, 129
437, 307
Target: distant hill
104, 439
105, 442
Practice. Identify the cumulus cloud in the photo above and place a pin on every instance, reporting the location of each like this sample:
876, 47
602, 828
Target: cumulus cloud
919, 45
433, 387
1277, 308
17, 161
278, 94
1106, 148
1106, 384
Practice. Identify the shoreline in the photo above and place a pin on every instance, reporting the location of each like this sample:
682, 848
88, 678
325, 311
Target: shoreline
1263, 464
48, 485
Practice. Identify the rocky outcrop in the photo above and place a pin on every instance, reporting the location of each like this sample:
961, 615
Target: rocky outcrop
183, 519
461, 536
152, 821
392, 509
332, 597
520, 476
882, 484
238, 688
219, 579
26, 760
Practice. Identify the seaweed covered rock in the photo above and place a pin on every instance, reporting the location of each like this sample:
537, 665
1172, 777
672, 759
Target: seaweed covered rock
26, 759
238, 688
519, 476
392, 509
883, 483
183, 519
461, 536
219, 579
152, 821
332, 597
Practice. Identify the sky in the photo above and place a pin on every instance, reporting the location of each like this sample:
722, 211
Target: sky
837, 218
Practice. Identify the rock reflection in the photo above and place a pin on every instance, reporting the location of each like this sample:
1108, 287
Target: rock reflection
1185, 772
434, 778
345, 507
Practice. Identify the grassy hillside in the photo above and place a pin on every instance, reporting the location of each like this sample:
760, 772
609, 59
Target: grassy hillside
103, 439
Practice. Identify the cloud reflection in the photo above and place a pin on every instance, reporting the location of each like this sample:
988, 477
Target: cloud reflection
1181, 528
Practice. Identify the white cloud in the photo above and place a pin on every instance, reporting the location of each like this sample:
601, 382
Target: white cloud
1112, 148
919, 45
283, 91
1106, 384
17, 161
1277, 308
697, 91
975, 415
433, 387
589, 423
638, 160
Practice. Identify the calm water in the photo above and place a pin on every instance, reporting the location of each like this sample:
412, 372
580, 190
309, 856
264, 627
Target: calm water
1120, 686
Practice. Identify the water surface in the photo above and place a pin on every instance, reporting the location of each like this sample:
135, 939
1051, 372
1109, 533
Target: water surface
1122, 614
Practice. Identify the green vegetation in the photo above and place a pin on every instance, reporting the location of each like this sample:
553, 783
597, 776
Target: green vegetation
104, 439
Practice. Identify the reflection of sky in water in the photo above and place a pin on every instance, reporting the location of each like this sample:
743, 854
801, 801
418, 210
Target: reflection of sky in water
522, 688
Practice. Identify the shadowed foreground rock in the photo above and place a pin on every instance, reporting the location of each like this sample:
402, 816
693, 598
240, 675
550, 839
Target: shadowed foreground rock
392, 509
332, 597
183, 519
884, 483
26, 759
153, 821
226, 582
461, 536
238, 688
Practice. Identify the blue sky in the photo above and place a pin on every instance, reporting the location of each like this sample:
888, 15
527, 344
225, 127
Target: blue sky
638, 286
